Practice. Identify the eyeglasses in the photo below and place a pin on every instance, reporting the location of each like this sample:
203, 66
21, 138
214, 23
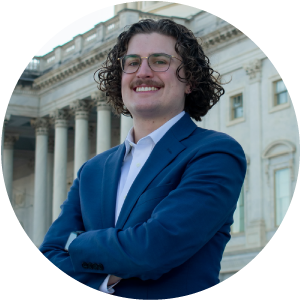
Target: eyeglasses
157, 62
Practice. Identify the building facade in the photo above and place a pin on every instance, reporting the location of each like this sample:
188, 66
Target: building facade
57, 119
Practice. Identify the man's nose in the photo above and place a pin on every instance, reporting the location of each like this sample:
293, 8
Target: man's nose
144, 69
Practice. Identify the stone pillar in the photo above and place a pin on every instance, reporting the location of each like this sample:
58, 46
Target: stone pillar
50, 180
126, 124
60, 119
40, 180
81, 109
8, 161
103, 122
255, 231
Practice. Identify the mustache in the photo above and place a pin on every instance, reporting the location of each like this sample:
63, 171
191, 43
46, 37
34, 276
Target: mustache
148, 82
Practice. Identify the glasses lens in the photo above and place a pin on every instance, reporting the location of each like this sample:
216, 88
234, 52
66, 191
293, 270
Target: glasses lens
159, 62
131, 63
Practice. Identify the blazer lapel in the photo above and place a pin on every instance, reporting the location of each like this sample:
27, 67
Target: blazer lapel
110, 180
163, 153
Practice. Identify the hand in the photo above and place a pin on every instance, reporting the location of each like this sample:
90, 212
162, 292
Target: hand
113, 279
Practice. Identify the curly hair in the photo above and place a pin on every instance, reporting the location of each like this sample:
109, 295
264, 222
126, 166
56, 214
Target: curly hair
206, 88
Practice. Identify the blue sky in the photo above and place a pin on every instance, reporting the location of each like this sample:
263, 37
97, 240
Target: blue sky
80, 26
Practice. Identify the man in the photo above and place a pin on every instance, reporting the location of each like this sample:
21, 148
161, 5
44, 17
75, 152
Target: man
152, 216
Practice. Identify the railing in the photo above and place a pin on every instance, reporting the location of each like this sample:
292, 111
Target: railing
101, 32
69, 49
34, 65
112, 25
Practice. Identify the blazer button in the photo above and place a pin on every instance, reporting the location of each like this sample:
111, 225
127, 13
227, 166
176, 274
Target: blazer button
100, 267
90, 266
85, 265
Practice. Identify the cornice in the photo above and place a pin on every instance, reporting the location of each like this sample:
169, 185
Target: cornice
74, 66
89, 59
24, 90
220, 36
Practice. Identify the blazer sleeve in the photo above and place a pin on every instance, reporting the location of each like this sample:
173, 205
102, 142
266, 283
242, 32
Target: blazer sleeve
180, 224
54, 242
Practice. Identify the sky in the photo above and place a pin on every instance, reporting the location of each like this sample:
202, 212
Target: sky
78, 27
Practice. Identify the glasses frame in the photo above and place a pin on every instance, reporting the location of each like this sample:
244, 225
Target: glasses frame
121, 62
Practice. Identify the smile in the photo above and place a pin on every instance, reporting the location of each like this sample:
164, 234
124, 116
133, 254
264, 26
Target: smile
146, 89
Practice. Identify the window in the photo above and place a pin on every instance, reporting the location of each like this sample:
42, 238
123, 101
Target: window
238, 216
282, 193
281, 95
280, 168
237, 106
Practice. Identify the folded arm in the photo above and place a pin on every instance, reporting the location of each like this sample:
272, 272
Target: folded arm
69, 220
179, 226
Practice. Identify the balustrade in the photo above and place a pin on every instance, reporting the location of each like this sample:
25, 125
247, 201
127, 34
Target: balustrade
109, 29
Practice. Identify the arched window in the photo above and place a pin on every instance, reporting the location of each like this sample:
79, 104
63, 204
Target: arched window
279, 169
282, 193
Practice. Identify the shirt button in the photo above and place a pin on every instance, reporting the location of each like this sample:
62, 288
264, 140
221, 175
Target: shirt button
138, 165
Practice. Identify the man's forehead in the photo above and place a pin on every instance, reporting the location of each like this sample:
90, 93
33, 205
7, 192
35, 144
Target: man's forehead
150, 43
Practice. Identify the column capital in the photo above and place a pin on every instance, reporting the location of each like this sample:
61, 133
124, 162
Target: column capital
41, 125
9, 141
100, 100
60, 117
253, 68
98, 95
81, 108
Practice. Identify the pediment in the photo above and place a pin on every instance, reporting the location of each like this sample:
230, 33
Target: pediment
277, 148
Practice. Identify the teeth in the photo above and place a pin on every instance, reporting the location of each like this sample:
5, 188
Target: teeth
146, 89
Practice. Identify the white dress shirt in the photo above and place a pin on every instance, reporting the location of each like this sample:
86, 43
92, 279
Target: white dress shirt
134, 159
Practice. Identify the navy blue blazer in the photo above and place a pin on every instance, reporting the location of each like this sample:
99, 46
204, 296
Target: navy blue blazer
173, 226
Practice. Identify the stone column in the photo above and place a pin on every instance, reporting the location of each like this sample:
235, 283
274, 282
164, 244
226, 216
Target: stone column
60, 118
255, 231
126, 124
81, 109
103, 122
8, 161
50, 180
40, 180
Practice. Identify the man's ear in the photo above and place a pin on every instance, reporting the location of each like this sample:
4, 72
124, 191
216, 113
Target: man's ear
188, 89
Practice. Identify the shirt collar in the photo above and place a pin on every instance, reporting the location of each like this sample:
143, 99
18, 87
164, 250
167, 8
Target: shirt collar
155, 136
